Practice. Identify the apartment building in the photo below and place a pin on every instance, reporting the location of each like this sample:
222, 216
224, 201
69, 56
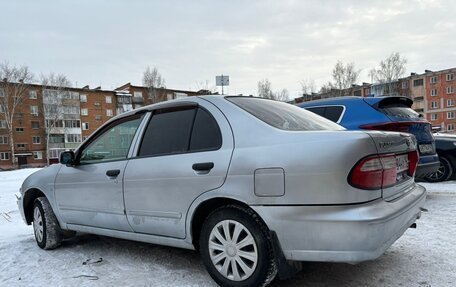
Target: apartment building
441, 99
61, 118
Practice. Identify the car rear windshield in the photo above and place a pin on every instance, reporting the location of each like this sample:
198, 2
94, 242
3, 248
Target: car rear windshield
397, 109
282, 115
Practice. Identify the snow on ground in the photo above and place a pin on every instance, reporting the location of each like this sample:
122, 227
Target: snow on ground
425, 256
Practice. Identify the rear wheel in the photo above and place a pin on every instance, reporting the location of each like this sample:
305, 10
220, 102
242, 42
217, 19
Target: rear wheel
48, 234
236, 248
443, 173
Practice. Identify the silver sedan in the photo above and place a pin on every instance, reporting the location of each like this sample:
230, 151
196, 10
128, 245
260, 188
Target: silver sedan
255, 185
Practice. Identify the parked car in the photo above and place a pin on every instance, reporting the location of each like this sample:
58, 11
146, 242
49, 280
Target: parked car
382, 113
446, 149
253, 184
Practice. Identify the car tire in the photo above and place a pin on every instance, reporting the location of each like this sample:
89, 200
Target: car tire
236, 248
444, 172
48, 234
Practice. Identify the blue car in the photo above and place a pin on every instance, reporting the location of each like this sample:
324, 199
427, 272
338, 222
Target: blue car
382, 113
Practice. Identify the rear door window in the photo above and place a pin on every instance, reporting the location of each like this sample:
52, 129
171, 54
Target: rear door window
168, 133
332, 113
180, 131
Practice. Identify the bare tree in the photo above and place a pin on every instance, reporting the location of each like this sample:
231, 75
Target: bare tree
204, 86
264, 89
308, 86
153, 80
344, 76
282, 95
390, 70
54, 90
13, 87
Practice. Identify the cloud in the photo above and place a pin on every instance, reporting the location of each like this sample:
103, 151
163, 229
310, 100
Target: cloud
111, 42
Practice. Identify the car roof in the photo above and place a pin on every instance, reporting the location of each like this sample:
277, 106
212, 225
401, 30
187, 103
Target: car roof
344, 99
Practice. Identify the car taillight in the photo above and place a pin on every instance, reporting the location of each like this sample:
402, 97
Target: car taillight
390, 126
414, 158
380, 171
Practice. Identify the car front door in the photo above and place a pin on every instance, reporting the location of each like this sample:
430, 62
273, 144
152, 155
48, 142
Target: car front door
90, 193
185, 151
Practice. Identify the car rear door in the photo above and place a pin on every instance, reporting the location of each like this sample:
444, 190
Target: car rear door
185, 151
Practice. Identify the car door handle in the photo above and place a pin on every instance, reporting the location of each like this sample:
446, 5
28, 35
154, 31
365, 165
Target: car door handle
203, 166
113, 172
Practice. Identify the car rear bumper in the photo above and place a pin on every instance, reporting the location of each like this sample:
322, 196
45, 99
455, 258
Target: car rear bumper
348, 233
427, 165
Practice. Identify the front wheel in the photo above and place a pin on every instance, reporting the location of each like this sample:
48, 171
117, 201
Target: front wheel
236, 248
48, 234
444, 172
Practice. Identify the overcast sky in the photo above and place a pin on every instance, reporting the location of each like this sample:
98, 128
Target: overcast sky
109, 43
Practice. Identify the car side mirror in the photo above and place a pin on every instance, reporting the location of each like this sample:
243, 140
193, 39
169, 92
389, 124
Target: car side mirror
67, 157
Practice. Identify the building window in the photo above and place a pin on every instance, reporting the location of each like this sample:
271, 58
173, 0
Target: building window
405, 84
2, 124
109, 113
450, 77
32, 95
54, 123
70, 110
56, 138
3, 140
4, 156
434, 92
433, 79
21, 145
36, 140
35, 125
450, 115
73, 138
450, 102
19, 130
450, 90
85, 126
83, 98
418, 82
434, 105
137, 94
450, 127
108, 99
2, 93
97, 104
2, 109
34, 110
38, 155
434, 117
84, 112
72, 123
98, 118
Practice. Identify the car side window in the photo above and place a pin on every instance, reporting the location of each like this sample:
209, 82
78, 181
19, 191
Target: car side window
181, 131
113, 143
168, 132
333, 113
206, 133
319, 111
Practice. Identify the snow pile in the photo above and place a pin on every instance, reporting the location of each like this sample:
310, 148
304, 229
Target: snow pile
425, 256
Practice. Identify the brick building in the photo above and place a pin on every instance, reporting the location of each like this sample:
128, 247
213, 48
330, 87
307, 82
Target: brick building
441, 99
67, 117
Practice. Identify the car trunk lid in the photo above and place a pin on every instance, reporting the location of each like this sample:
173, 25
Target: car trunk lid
400, 146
